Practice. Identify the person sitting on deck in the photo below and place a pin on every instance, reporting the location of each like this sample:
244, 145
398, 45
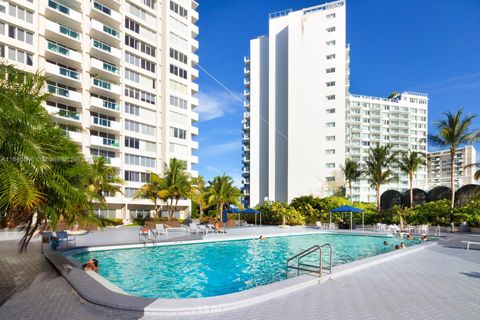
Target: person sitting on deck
217, 227
409, 236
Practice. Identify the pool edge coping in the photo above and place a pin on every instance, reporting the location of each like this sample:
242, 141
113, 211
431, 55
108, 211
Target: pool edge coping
99, 293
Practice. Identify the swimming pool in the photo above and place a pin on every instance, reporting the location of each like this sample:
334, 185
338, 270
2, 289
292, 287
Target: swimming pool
217, 268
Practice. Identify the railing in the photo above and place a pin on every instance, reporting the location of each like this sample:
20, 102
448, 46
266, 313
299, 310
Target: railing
102, 84
111, 31
102, 121
110, 68
69, 114
110, 105
279, 14
307, 266
69, 32
102, 8
69, 73
102, 46
58, 48
324, 6
57, 90
111, 142
58, 7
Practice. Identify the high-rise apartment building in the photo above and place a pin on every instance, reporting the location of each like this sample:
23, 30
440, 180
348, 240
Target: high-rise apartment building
121, 80
440, 167
301, 122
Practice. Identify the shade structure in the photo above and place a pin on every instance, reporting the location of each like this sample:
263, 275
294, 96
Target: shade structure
235, 210
255, 212
350, 209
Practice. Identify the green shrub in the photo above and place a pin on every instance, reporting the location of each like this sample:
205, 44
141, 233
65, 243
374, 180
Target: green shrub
273, 213
106, 222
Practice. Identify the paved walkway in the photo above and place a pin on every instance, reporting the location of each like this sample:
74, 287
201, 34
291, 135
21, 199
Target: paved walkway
440, 282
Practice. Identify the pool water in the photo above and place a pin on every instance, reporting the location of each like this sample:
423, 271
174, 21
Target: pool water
217, 268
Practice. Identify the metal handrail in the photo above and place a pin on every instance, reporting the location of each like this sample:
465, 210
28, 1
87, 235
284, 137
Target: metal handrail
331, 255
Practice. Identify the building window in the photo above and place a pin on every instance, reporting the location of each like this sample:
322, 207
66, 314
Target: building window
330, 138
135, 160
178, 102
139, 62
137, 176
178, 71
330, 151
330, 124
330, 165
330, 16
178, 133
330, 43
139, 45
332, 110
330, 84
330, 56
140, 95
177, 55
132, 143
330, 70
331, 97
178, 9
331, 29
330, 179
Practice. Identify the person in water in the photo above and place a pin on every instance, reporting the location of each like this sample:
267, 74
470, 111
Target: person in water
409, 236
385, 243
261, 237
402, 245
92, 265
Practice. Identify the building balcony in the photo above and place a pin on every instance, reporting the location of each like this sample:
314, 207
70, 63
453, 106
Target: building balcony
106, 86
194, 16
246, 71
70, 95
63, 54
246, 148
109, 70
114, 162
103, 12
194, 159
58, 73
194, 88
194, 131
194, 116
194, 144
246, 82
246, 104
246, 115
104, 32
71, 116
63, 34
246, 126
245, 160
62, 14
194, 59
194, 102
105, 123
246, 61
246, 93
194, 45
245, 173
105, 105
105, 51
105, 142
75, 136
194, 74
195, 31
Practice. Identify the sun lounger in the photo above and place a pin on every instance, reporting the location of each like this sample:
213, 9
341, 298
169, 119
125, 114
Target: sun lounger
196, 229
471, 242
204, 228
160, 229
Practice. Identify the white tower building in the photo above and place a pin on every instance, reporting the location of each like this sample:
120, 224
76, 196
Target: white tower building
301, 123
121, 77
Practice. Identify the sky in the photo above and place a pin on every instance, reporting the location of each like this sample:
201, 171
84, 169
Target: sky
429, 46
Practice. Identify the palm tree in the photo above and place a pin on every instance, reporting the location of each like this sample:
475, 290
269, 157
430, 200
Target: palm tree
378, 171
453, 132
198, 194
352, 173
103, 180
409, 163
42, 172
155, 189
221, 192
177, 182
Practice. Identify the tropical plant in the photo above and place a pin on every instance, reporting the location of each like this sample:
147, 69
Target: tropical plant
400, 213
453, 132
377, 168
352, 173
274, 213
198, 194
221, 192
103, 180
155, 190
42, 172
177, 182
409, 162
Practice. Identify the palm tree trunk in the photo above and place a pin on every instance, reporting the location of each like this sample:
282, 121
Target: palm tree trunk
350, 187
155, 207
200, 208
220, 210
452, 185
176, 204
377, 189
411, 189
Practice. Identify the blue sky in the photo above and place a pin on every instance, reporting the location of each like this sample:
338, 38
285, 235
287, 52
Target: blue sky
430, 46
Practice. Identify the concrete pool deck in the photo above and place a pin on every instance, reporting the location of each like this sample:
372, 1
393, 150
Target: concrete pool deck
410, 285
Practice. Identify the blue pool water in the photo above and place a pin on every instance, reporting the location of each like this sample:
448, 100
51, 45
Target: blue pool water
217, 268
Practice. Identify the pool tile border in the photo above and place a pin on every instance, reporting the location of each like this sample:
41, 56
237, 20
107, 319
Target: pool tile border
99, 293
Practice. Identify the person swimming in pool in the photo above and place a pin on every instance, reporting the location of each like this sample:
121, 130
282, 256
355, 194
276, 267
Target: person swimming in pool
385, 243
261, 237
402, 245
92, 265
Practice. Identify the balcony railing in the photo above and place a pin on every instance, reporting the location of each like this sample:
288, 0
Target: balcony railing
102, 8
110, 105
69, 32
111, 31
69, 73
110, 68
102, 122
102, 46
69, 114
111, 142
55, 47
57, 90
102, 84
58, 7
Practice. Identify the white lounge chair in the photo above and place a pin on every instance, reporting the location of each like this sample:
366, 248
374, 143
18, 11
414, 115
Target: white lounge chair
195, 228
160, 229
470, 242
204, 228
321, 226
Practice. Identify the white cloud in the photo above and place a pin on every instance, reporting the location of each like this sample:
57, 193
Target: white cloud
215, 104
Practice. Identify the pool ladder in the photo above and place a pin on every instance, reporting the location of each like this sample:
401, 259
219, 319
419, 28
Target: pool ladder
310, 267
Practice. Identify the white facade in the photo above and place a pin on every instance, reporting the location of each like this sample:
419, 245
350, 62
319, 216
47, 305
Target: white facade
400, 122
439, 167
302, 121
121, 77
297, 83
